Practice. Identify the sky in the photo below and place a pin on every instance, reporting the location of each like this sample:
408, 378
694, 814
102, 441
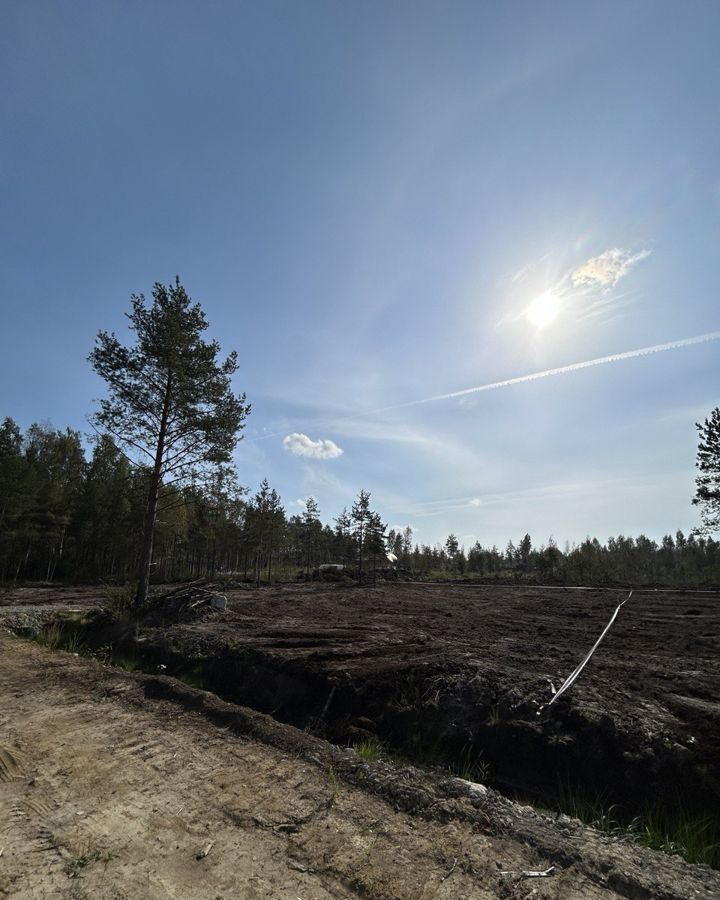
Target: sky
377, 204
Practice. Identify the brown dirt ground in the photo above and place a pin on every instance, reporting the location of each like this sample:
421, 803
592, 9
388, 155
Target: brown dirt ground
111, 784
655, 678
656, 675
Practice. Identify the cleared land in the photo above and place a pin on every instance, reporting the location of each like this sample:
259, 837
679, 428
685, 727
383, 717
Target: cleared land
447, 671
113, 782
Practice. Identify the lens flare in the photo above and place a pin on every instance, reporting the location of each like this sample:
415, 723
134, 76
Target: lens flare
543, 310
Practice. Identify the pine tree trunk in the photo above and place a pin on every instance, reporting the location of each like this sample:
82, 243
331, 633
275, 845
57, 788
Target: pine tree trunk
57, 558
147, 543
270, 553
151, 507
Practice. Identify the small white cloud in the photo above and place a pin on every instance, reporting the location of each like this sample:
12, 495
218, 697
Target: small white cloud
299, 503
606, 270
302, 445
475, 501
400, 528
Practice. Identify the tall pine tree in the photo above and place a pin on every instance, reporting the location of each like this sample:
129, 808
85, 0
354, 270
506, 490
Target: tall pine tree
707, 483
170, 405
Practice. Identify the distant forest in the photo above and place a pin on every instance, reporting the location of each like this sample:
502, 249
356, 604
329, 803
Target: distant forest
63, 516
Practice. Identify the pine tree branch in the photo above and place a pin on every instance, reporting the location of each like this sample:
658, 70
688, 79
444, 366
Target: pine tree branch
120, 449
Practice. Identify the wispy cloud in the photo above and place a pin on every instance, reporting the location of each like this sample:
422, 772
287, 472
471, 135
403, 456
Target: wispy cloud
431, 443
540, 494
604, 304
302, 445
606, 270
560, 370
356, 424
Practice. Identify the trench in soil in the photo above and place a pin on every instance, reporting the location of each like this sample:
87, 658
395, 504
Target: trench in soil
565, 761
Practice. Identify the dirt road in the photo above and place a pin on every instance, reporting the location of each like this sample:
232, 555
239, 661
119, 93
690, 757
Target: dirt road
108, 791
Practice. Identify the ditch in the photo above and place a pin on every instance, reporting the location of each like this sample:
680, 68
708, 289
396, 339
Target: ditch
563, 760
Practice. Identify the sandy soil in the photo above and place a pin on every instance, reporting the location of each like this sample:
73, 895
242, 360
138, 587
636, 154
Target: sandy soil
465, 662
113, 784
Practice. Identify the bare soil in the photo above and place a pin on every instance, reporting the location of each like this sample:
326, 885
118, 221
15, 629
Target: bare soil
451, 671
112, 783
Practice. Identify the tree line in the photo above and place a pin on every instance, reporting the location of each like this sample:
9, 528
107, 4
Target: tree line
159, 496
677, 560
66, 516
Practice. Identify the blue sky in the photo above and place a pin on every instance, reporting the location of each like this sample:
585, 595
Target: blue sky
367, 199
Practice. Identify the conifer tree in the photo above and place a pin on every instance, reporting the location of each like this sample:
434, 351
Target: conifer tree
13, 496
170, 405
55, 470
707, 483
311, 527
104, 523
360, 518
343, 525
452, 548
375, 539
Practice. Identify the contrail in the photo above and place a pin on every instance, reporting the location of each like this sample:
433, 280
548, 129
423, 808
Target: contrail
560, 370
522, 379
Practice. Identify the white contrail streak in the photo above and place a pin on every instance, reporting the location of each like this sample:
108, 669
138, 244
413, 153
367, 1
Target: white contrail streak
562, 370
522, 379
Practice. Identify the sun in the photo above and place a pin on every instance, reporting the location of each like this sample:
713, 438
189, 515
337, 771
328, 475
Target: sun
543, 310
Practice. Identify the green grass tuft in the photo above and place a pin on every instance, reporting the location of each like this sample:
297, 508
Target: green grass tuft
677, 830
669, 827
128, 663
470, 766
60, 637
50, 637
334, 785
369, 749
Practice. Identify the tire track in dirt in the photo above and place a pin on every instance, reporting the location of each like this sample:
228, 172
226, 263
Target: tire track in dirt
120, 792
10, 765
115, 803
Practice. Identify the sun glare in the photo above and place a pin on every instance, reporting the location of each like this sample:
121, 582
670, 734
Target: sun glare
543, 310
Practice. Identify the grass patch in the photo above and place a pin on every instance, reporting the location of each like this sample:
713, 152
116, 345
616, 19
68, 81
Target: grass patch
370, 749
334, 785
76, 865
119, 597
128, 663
72, 642
470, 766
50, 637
60, 637
677, 830
670, 827
593, 809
